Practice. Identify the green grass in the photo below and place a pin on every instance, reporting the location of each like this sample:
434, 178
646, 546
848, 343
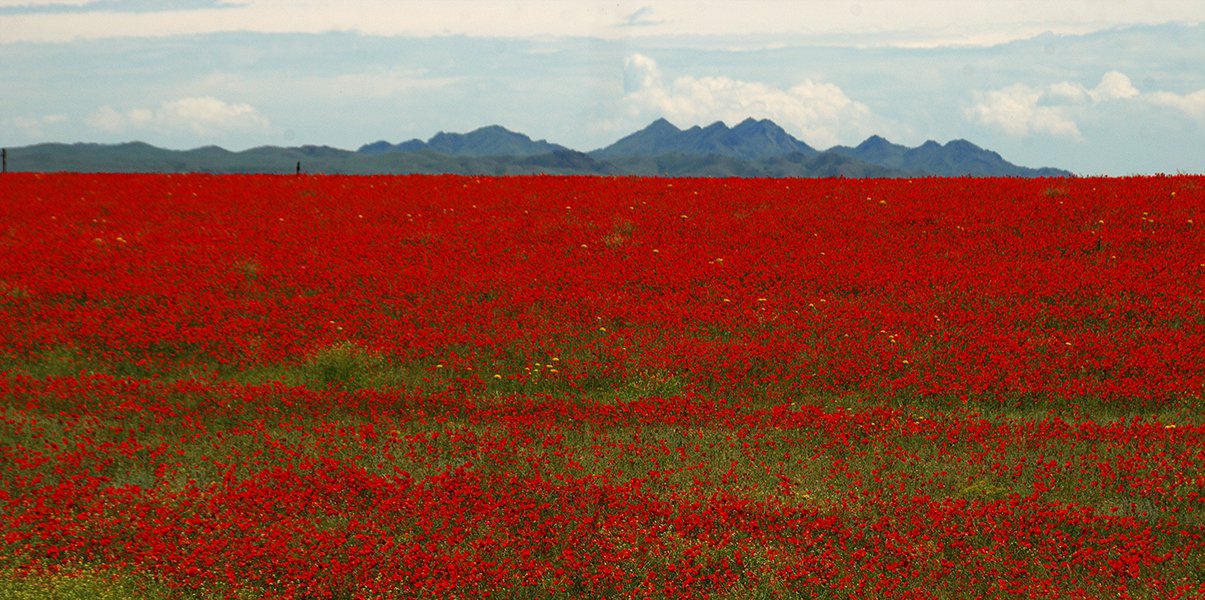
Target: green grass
82, 583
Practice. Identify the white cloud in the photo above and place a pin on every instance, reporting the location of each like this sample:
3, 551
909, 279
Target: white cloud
203, 116
640, 73
1192, 104
1015, 110
820, 112
1064, 91
1113, 86
35, 127
1020, 110
207, 115
60, 6
41, 3
107, 118
871, 22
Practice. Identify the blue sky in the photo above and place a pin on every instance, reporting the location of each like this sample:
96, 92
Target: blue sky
1112, 87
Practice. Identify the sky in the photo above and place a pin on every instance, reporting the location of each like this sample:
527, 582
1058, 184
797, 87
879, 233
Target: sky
1099, 87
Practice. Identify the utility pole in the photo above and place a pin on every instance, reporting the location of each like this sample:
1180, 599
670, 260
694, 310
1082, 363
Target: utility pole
4, 160
299, 167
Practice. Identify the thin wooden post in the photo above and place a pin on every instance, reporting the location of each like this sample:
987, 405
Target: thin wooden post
4, 160
299, 167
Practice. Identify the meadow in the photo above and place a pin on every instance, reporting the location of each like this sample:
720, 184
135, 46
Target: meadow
565, 387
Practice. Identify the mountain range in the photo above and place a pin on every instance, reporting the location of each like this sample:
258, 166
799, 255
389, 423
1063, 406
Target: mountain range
753, 148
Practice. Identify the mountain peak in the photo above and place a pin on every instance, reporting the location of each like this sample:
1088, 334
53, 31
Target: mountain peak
953, 159
752, 141
760, 122
874, 141
752, 125
662, 124
875, 149
961, 144
749, 140
494, 129
491, 140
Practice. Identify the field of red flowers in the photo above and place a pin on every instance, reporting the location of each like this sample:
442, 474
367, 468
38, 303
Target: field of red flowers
531, 387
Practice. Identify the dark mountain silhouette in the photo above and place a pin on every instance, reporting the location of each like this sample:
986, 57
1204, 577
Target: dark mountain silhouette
486, 141
955, 158
790, 165
749, 140
751, 149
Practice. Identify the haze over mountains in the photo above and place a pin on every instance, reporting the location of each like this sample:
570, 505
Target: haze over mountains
752, 148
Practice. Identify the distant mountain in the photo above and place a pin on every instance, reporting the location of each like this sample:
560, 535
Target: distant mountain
791, 165
137, 157
875, 150
751, 149
486, 141
381, 147
749, 140
762, 141
954, 159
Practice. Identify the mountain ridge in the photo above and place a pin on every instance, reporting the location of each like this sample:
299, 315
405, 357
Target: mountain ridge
748, 140
491, 140
752, 148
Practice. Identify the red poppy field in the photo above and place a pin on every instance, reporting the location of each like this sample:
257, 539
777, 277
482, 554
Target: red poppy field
533, 387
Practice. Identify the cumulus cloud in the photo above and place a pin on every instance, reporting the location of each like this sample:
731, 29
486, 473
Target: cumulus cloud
820, 112
35, 127
1113, 86
1021, 109
1015, 110
204, 116
1192, 104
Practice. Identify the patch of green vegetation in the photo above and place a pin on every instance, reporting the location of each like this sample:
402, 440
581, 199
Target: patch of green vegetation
85, 584
651, 384
342, 366
13, 291
984, 490
345, 366
55, 361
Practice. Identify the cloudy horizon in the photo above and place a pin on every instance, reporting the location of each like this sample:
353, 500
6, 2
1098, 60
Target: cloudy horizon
1097, 87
